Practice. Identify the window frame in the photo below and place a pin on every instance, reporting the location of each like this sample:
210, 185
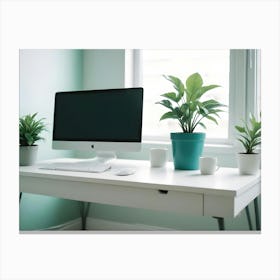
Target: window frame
244, 91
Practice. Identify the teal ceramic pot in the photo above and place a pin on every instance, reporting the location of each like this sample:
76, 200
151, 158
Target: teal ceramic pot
187, 148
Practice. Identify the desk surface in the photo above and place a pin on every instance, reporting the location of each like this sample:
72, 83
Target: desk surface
223, 194
225, 182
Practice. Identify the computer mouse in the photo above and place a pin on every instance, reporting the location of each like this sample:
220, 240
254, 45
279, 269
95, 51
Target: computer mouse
125, 171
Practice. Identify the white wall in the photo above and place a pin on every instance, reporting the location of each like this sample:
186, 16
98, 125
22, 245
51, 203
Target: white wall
42, 74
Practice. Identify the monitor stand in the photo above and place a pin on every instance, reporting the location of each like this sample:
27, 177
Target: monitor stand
105, 157
102, 161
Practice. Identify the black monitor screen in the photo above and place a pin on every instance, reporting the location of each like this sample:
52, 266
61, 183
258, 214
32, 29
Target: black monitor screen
113, 115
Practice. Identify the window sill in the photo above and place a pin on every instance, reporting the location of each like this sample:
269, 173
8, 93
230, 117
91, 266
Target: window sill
226, 154
208, 148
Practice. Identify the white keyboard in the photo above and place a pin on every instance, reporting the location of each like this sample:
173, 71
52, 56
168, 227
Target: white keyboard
80, 166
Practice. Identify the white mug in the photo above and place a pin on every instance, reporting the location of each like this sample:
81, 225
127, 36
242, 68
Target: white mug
158, 157
208, 165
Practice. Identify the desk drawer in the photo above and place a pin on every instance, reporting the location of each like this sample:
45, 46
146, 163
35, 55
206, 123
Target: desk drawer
149, 199
165, 201
136, 197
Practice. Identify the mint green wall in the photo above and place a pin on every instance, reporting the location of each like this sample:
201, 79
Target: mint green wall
103, 68
40, 212
42, 73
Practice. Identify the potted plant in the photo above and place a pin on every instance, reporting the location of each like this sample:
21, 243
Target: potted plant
186, 106
250, 137
30, 131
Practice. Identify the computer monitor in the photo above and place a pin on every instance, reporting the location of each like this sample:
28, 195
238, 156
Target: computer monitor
105, 120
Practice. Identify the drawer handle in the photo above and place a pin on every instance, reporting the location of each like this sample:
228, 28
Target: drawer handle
163, 191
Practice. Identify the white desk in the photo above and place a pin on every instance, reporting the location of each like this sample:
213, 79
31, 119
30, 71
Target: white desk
222, 195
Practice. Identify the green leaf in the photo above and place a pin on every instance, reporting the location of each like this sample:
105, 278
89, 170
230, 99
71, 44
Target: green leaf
202, 124
258, 134
256, 143
184, 108
168, 115
178, 85
253, 121
204, 89
166, 103
29, 138
202, 109
211, 119
246, 139
193, 83
33, 116
240, 129
170, 95
178, 112
211, 103
245, 144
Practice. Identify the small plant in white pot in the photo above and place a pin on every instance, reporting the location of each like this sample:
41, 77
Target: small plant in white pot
250, 137
30, 131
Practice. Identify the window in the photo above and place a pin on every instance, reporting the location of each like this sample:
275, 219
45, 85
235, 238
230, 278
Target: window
236, 71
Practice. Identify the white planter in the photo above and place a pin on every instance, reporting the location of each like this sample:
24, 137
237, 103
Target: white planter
27, 155
248, 164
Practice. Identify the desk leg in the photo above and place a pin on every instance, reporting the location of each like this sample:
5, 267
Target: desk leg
221, 223
256, 205
84, 208
249, 217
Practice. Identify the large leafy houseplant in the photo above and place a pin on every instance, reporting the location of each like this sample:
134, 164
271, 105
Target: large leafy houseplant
250, 138
185, 103
187, 106
30, 130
